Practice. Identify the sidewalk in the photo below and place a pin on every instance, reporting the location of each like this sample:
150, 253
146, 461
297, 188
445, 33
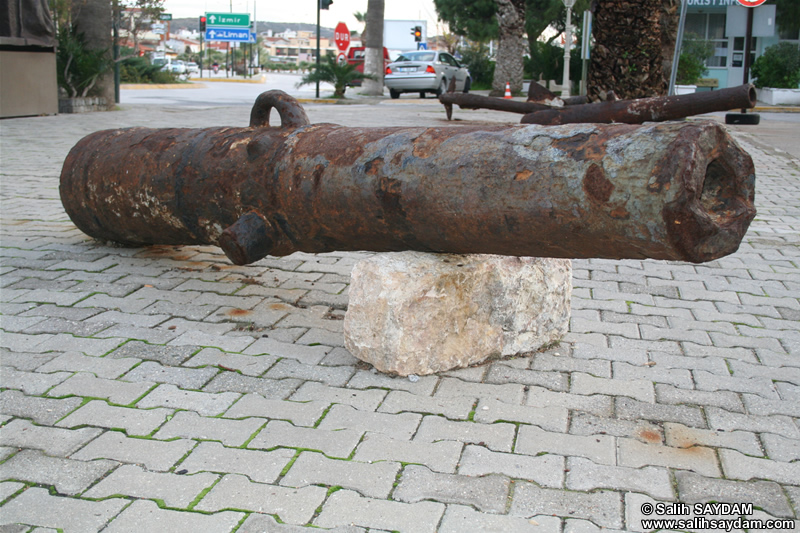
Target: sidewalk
164, 389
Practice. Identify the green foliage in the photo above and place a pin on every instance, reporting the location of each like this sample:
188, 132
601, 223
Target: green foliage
546, 61
78, 67
137, 69
692, 62
332, 72
474, 19
778, 67
476, 58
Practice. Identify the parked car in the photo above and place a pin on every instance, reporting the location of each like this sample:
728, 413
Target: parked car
355, 56
179, 67
425, 71
192, 68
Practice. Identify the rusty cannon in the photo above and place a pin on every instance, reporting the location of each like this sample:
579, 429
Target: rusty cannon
677, 191
640, 110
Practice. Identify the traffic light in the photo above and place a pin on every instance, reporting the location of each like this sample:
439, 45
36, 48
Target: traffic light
325, 4
416, 31
202, 24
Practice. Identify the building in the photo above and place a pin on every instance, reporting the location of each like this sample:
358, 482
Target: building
724, 23
293, 47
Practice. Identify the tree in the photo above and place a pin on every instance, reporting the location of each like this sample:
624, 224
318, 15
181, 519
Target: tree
511, 47
339, 75
362, 18
373, 54
628, 52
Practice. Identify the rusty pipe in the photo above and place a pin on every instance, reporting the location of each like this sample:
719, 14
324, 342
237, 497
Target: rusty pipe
679, 191
655, 109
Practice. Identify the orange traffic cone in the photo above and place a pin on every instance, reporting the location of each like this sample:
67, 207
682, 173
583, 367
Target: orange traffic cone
508, 91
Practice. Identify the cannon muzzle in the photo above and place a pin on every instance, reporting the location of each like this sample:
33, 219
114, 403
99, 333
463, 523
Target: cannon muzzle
679, 191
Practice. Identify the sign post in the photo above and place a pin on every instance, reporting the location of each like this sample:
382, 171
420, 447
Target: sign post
341, 36
743, 117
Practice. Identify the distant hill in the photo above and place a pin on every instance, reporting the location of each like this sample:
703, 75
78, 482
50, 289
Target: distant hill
276, 27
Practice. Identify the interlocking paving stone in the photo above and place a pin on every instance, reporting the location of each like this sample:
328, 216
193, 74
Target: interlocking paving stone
418, 483
189, 424
290, 368
730, 401
586, 424
37, 507
778, 424
757, 405
346, 507
250, 365
680, 436
9, 488
713, 382
145, 515
736, 465
439, 456
259, 466
629, 409
595, 404
400, 426
173, 489
25, 361
43, 411
31, 383
204, 403
637, 389
153, 454
293, 506
548, 362
780, 448
166, 355
508, 393
601, 507
533, 441
497, 437
337, 443
370, 479
697, 458
260, 523
363, 400
693, 488
185, 378
551, 418
52, 441
546, 470
459, 518
87, 385
502, 373
402, 401
139, 422
364, 379
311, 355
66, 475
585, 475
679, 377
278, 389
298, 413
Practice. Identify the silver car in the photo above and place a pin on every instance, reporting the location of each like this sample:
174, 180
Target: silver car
425, 71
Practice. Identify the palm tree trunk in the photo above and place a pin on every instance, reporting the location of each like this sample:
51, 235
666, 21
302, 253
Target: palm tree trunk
93, 19
628, 54
509, 66
373, 55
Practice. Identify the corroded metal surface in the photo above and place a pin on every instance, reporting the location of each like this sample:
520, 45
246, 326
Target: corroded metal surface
681, 191
655, 109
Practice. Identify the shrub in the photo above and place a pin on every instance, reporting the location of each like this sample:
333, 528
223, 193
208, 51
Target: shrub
692, 61
78, 67
778, 67
139, 70
481, 69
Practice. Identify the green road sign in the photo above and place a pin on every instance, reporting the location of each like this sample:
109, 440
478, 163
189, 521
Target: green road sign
165, 16
228, 20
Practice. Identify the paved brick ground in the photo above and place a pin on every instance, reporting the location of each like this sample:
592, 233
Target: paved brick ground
163, 389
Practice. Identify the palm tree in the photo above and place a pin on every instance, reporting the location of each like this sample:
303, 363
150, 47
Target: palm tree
339, 75
373, 53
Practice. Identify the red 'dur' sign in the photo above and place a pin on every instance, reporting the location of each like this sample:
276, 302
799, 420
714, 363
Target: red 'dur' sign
751, 3
341, 36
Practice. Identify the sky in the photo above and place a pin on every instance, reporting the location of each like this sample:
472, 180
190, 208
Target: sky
306, 11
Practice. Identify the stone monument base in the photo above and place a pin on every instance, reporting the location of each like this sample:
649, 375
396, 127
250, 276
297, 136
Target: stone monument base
420, 313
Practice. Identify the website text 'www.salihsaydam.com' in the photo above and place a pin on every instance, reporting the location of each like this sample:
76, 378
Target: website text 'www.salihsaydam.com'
714, 516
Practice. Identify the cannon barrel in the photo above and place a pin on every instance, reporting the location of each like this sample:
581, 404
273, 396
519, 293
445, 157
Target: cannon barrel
679, 191
654, 109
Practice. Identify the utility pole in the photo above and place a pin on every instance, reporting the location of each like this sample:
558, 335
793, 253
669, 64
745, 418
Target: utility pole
318, 63
565, 89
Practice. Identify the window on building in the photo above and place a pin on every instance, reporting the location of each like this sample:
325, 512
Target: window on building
709, 27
